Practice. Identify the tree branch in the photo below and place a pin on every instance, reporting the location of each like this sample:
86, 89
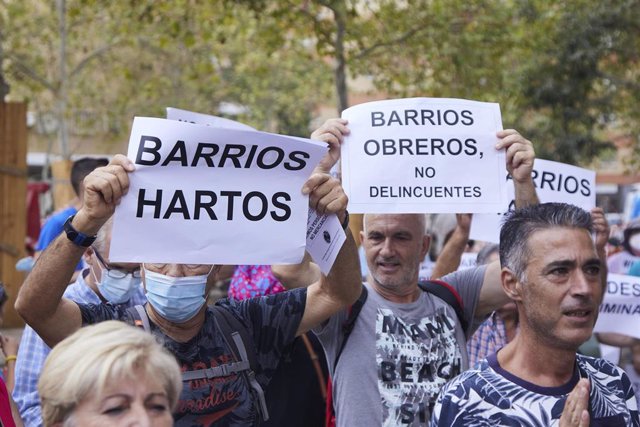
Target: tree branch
93, 55
23, 68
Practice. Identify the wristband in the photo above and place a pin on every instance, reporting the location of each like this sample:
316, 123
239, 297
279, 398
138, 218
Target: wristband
345, 222
75, 236
10, 358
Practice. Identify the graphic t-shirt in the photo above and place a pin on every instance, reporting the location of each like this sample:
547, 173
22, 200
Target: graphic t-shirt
224, 401
398, 355
491, 396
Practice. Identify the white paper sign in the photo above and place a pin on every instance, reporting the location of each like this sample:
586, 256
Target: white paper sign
205, 195
328, 227
426, 155
204, 119
620, 309
555, 182
325, 237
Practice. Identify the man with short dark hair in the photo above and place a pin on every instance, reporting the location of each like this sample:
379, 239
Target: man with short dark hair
554, 272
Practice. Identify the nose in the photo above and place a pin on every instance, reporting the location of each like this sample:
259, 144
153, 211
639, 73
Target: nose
139, 416
583, 285
387, 248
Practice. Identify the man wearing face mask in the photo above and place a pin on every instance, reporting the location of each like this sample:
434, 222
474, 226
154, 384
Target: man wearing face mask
102, 282
621, 262
177, 308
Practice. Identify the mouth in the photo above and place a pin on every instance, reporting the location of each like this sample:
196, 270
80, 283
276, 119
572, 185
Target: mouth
578, 314
388, 265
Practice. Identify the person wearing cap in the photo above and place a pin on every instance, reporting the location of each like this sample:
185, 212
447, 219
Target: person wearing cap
101, 282
621, 262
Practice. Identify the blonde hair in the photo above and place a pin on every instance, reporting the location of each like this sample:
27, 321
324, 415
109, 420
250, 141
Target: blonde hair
93, 358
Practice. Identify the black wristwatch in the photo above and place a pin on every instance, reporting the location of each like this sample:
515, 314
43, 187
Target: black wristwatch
75, 236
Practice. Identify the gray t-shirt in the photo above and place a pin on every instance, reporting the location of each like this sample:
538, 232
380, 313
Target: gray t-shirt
399, 356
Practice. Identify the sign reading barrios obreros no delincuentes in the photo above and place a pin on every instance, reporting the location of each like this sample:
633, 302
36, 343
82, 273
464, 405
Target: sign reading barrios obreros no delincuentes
207, 195
432, 155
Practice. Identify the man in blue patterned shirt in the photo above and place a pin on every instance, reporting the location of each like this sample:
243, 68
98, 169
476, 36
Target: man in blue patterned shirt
120, 284
554, 272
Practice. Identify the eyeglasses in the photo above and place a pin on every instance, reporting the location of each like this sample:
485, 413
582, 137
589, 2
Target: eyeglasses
116, 273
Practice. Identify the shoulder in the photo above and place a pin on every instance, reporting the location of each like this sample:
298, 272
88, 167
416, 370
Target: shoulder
468, 379
593, 365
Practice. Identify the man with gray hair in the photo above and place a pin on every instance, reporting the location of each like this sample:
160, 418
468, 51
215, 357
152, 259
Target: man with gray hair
101, 282
554, 271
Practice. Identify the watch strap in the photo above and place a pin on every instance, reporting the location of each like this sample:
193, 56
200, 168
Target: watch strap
76, 236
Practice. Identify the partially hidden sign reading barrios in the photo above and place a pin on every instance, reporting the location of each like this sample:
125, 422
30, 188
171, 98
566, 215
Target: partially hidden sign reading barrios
554, 182
206, 195
423, 155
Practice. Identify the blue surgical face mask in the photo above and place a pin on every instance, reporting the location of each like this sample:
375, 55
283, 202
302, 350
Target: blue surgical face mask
176, 299
117, 290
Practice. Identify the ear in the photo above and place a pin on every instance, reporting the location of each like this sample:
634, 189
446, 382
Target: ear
362, 239
510, 284
426, 243
87, 255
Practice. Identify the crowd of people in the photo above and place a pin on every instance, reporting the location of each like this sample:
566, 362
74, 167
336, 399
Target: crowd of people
495, 344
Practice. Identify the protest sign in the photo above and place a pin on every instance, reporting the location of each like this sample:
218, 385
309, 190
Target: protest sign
554, 182
423, 155
323, 250
620, 309
205, 195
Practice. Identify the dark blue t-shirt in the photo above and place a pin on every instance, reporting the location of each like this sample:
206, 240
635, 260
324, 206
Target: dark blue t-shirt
272, 321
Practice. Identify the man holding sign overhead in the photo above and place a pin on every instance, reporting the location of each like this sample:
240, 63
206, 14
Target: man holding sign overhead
219, 389
405, 344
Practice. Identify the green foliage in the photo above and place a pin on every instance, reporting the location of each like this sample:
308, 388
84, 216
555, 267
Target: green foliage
565, 73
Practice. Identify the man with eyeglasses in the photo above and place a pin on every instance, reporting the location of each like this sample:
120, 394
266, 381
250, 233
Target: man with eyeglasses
177, 308
100, 283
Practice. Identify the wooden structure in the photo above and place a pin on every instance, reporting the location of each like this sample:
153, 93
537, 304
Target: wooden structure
13, 195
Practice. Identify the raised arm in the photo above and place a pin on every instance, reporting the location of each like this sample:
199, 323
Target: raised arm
306, 272
40, 301
449, 259
343, 285
297, 275
520, 157
601, 237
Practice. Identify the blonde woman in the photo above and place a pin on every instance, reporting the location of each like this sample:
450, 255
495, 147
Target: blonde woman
109, 374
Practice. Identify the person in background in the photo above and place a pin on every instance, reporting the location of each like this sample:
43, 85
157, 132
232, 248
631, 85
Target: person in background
500, 327
9, 345
124, 377
621, 262
53, 226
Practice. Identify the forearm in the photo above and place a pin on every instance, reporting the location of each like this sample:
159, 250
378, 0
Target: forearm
334, 292
449, 259
297, 275
344, 282
525, 193
42, 290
